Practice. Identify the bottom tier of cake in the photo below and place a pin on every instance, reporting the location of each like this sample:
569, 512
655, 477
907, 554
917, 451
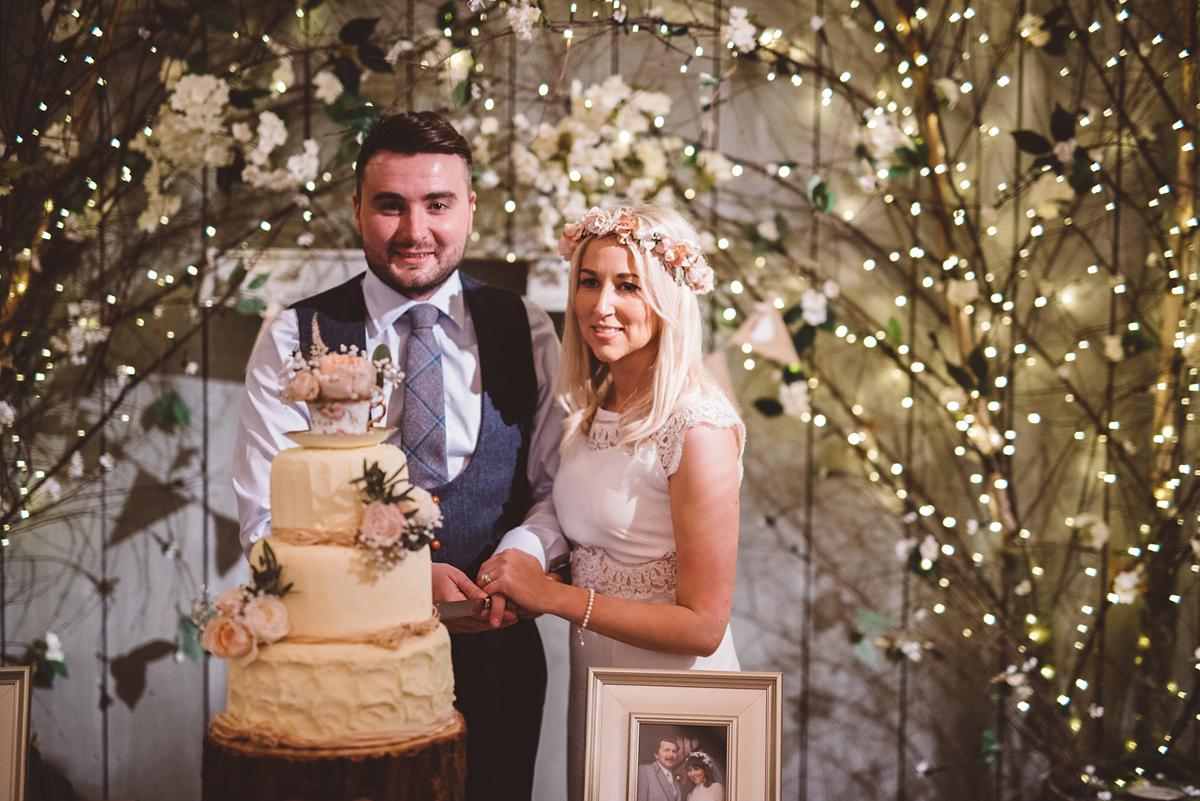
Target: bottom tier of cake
431, 768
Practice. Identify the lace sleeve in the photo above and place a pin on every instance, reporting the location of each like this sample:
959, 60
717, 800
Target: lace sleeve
713, 410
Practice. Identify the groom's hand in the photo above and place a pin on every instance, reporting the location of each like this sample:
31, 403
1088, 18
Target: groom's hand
451, 584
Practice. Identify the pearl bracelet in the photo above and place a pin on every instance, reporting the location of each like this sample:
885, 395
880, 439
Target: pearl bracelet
588, 614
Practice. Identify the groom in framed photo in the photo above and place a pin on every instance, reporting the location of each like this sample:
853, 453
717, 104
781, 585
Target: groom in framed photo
656, 780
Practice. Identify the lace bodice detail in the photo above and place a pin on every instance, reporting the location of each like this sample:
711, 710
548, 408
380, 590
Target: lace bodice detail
713, 410
652, 581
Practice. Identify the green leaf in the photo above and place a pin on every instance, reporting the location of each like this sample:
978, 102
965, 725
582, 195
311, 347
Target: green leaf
768, 407
249, 307
238, 275
961, 376
258, 281
462, 93
819, 195
373, 58
868, 620
1135, 342
989, 746
358, 30
1081, 179
245, 97
1062, 124
866, 652
792, 373
830, 320
380, 353
792, 314
348, 72
803, 338
170, 410
189, 639
895, 333
1032, 142
59, 668
979, 366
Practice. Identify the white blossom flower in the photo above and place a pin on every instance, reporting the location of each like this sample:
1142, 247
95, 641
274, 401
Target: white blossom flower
400, 46
929, 548
1113, 350
1024, 588
328, 86
923, 768
814, 307
947, 89
75, 466
107, 462
52, 488
904, 548
475, 6
1125, 585
303, 167
192, 368
1096, 711
305, 240
715, 165
1095, 526
8, 415
1065, 151
911, 649
1047, 192
740, 32
619, 15
961, 293
768, 230
522, 17
1033, 29
986, 438
817, 23
283, 75
831, 289
794, 399
54, 651
880, 134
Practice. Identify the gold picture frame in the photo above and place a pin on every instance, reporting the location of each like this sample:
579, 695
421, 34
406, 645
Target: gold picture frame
739, 712
14, 730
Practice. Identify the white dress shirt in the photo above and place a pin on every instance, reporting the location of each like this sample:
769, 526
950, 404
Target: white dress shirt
265, 421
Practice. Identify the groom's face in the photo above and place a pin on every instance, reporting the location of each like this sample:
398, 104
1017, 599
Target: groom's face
414, 214
667, 753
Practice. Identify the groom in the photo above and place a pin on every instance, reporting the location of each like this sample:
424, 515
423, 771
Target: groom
497, 355
656, 780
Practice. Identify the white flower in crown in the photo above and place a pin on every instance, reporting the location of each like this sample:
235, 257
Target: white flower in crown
683, 260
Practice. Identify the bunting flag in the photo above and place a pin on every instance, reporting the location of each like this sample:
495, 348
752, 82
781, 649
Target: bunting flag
718, 368
766, 333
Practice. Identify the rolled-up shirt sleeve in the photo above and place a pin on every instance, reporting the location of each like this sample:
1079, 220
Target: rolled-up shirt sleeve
262, 427
540, 534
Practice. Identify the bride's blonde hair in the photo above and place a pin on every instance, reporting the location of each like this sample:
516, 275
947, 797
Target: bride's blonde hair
584, 382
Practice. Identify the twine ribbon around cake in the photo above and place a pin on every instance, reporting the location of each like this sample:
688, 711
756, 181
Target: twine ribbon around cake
226, 731
304, 537
391, 637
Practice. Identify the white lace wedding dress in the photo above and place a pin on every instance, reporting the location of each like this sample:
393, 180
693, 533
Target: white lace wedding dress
614, 506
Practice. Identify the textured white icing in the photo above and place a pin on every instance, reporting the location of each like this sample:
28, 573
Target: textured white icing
311, 489
328, 692
333, 596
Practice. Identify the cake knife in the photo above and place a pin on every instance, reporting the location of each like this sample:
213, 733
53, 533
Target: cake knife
448, 610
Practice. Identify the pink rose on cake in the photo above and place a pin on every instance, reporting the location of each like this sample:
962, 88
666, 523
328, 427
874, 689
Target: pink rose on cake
266, 617
303, 386
345, 377
227, 638
382, 524
420, 509
231, 602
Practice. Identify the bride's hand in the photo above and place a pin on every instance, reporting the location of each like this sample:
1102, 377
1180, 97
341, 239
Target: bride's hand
518, 576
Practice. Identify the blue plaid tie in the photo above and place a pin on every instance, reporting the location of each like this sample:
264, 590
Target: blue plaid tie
423, 418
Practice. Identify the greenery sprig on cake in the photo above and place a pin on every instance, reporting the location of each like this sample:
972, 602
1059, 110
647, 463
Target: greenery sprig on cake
399, 517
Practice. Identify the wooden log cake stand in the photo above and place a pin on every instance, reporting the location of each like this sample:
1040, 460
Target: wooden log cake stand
432, 768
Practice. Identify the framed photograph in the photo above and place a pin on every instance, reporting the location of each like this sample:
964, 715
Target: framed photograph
683, 735
14, 730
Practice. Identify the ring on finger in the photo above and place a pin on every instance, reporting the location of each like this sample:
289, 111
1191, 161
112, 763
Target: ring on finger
486, 578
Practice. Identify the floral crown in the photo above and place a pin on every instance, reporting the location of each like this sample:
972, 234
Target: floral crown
682, 259
708, 761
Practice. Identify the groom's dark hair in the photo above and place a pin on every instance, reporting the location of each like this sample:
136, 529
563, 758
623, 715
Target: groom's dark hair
411, 133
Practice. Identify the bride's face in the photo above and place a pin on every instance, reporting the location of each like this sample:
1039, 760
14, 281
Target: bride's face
696, 775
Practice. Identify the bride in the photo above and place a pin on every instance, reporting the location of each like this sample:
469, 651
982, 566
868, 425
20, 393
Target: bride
702, 772
647, 490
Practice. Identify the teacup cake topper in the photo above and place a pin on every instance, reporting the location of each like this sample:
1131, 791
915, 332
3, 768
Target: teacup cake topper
341, 388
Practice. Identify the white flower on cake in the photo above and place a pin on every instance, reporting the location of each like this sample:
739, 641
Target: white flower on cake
399, 518
233, 626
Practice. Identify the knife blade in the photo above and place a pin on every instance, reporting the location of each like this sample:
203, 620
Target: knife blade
448, 610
